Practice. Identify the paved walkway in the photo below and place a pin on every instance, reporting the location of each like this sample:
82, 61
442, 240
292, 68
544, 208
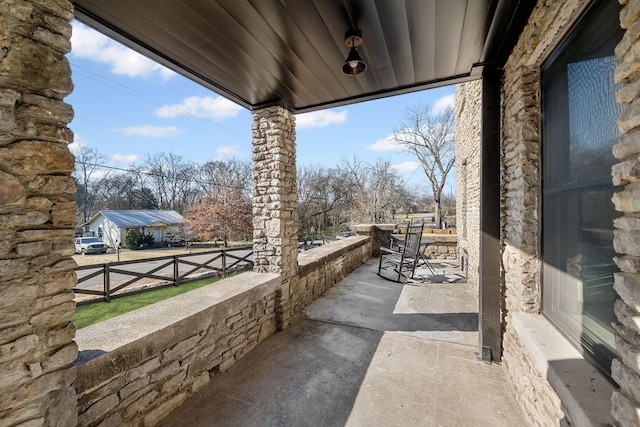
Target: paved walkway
369, 353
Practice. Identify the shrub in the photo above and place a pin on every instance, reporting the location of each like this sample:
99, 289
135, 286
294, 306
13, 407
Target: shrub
147, 239
132, 239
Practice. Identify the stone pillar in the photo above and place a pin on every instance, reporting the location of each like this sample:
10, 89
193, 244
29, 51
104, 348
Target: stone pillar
626, 368
37, 211
275, 201
380, 235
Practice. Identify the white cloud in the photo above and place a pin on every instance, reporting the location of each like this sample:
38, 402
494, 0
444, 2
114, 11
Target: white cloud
149, 131
74, 147
124, 158
443, 103
318, 119
89, 44
227, 151
209, 107
406, 167
386, 144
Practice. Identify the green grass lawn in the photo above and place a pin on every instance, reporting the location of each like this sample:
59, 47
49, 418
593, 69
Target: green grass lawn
89, 314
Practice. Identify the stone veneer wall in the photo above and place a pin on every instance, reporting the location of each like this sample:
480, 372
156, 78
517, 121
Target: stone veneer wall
548, 23
323, 267
136, 368
275, 200
467, 128
443, 248
520, 199
37, 211
626, 369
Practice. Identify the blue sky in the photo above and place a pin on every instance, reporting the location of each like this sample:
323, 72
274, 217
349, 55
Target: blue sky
127, 106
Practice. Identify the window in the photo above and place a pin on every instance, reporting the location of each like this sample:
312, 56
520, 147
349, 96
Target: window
579, 128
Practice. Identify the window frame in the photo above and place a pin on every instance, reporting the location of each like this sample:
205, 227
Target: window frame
589, 348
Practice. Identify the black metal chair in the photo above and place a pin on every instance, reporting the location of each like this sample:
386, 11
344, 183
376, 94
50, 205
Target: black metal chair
399, 264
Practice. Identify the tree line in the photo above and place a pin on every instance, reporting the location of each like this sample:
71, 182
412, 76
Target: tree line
215, 196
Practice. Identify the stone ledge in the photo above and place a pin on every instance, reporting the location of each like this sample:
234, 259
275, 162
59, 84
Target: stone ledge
311, 260
368, 228
441, 238
585, 393
135, 336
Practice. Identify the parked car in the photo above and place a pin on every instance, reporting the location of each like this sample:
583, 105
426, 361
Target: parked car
345, 234
90, 245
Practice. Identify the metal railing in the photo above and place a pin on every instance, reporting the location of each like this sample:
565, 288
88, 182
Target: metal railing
114, 279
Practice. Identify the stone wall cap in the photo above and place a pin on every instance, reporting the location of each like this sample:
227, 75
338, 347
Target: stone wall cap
308, 260
584, 392
365, 228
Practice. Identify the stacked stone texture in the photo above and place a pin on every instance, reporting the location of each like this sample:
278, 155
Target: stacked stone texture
37, 211
520, 190
141, 382
442, 250
626, 369
275, 210
467, 128
320, 270
144, 381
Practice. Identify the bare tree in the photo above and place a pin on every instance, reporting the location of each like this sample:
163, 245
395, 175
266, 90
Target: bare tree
170, 178
429, 136
89, 177
225, 173
378, 190
122, 191
323, 194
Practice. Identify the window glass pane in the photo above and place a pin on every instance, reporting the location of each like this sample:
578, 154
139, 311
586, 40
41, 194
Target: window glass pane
579, 115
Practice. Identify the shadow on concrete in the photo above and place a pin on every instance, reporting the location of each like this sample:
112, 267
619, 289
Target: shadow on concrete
369, 352
307, 375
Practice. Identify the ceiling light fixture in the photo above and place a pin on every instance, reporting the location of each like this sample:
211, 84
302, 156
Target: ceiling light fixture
354, 64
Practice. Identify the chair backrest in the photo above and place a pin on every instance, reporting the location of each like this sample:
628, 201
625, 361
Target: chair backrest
412, 240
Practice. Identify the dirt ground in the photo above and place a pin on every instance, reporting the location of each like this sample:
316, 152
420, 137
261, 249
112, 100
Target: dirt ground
127, 255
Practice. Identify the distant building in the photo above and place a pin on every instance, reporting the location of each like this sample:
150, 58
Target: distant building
112, 226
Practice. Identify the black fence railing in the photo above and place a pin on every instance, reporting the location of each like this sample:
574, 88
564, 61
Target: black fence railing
115, 279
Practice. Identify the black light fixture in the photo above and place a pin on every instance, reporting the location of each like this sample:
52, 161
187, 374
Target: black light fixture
354, 64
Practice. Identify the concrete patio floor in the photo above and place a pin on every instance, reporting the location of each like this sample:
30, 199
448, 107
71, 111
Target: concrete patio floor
370, 352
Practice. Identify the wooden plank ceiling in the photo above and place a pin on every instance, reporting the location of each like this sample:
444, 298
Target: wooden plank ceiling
290, 52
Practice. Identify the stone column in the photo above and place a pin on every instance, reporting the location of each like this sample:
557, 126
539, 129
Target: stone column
626, 368
275, 201
37, 211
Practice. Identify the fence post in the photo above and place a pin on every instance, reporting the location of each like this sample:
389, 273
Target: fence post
224, 265
107, 284
176, 270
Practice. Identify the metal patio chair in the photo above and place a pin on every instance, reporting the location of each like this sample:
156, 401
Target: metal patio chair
399, 264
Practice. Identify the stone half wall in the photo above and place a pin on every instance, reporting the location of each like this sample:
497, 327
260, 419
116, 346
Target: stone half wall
37, 211
136, 368
467, 129
444, 246
323, 267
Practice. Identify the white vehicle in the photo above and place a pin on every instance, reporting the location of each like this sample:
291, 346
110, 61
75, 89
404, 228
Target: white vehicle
90, 245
